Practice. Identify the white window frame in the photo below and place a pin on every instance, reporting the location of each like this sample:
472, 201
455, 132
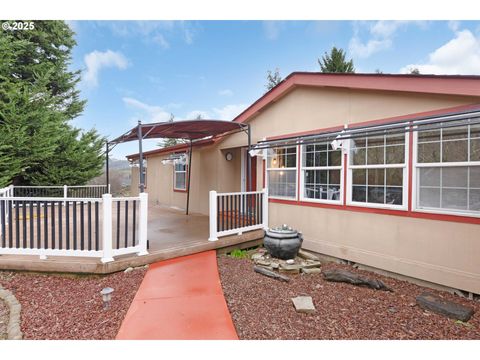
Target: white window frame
405, 167
416, 179
302, 177
267, 169
175, 177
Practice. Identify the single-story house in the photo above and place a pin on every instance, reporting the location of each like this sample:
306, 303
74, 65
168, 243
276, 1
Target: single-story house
381, 170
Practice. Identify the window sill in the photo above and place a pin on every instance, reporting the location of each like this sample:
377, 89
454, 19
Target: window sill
320, 201
282, 198
377, 206
446, 212
180, 190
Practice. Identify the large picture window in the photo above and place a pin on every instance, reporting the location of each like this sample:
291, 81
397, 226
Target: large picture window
282, 172
377, 171
321, 173
180, 176
448, 168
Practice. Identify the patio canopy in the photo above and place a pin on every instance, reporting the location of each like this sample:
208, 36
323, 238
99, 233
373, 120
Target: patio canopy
186, 129
191, 130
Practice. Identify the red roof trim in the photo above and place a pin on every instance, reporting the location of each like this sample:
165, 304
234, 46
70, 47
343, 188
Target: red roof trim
430, 84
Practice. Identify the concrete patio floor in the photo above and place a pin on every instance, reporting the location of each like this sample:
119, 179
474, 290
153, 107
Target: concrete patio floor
171, 234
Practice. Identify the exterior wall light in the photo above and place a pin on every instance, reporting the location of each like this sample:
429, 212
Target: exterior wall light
229, 156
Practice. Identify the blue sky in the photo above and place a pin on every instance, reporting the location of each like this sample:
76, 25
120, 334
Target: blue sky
145, 70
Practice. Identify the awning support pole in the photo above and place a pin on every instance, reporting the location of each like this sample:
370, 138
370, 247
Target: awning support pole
189, 168
249, 160
107, 168
140, 157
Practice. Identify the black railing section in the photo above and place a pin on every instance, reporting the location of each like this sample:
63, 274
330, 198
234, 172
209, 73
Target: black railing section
236, 211
86, 192
59, 191
125, 215
47, 192
50, 224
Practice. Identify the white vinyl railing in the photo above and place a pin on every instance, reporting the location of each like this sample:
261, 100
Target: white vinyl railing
237, 212
102, 227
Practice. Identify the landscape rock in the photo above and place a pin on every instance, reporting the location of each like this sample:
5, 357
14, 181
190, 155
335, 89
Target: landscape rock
291, 269
312, 264
290, 261
303, 304
257, 256
440, 306
311, 271
129, 269
263, 262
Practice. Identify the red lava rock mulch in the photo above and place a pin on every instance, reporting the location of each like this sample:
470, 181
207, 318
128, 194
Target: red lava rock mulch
70, 306
261, 307
4, 317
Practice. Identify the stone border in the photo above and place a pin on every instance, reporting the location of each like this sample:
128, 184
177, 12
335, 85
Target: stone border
13, 329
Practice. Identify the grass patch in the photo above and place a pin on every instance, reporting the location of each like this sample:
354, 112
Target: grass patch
239, 254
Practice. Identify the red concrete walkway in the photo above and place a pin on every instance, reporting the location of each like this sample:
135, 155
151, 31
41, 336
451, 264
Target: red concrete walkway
180, 298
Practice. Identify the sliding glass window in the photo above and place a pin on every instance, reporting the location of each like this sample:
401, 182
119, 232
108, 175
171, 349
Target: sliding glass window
378, 171
282, 172
447, 168
321, 173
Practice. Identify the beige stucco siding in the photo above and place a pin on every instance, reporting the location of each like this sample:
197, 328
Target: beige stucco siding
309, 108
442, 252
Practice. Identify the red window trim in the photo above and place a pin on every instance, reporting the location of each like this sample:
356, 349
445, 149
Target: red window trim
405, 213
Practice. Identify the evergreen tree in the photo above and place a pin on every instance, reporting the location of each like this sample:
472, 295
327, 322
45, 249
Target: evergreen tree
273, 79
335, 62
38, 98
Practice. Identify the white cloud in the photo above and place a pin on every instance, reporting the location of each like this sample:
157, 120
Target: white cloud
229, 112
461, 55
153, 113
380, 33
364, 50
96, 60
160, 40
454, 25
192, 115
272, 29
158, 32
225, 92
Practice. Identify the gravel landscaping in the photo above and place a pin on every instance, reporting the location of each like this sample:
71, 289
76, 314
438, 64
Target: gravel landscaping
70, 306
262, 308
4, 316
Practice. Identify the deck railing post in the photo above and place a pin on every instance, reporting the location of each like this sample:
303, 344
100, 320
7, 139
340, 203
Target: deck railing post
107, 228
143, 224
65, 194
265, 208
213, 215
